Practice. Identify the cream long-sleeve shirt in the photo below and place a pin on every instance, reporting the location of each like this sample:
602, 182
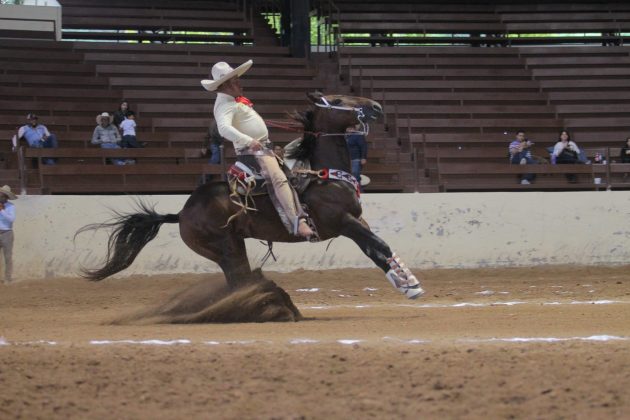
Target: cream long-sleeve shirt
559, 147
238, 122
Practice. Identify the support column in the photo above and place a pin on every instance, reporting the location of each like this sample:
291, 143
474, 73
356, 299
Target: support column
285, 23
300, 28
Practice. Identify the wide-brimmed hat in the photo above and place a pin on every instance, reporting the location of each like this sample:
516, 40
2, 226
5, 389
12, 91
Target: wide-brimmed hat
364, 180
6, 190
101, 116
222, 72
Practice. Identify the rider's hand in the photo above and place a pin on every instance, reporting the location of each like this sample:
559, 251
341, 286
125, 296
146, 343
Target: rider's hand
363, 161
255, 146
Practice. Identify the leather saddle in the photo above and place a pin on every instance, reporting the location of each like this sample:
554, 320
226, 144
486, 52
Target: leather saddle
245, 177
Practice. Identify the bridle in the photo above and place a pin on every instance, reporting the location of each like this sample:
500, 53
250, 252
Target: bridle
365, 128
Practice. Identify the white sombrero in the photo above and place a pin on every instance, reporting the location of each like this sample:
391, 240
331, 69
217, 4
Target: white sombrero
364, 180
222, 72
6, 190
101, 116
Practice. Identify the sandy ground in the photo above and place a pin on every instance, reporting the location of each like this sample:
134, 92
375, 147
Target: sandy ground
363, 352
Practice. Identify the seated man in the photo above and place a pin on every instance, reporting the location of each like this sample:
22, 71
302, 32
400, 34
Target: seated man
520, 153
107, 136
37, 136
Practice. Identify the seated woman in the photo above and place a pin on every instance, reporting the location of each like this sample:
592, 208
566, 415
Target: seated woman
108, 137
121, 113
567, 152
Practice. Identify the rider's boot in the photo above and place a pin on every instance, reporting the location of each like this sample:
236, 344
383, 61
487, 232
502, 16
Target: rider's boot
402, 279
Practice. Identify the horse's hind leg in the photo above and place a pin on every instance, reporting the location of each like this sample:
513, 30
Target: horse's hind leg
234, 262
379, 252
229, 253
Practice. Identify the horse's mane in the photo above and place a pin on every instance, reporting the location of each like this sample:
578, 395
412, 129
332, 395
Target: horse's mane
307, 145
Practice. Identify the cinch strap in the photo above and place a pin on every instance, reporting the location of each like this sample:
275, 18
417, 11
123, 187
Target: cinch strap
339, 175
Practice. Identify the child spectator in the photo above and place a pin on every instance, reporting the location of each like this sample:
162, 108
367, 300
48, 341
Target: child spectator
37, 136
128, 128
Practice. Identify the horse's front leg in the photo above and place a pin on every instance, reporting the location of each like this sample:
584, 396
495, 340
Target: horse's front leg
379, 252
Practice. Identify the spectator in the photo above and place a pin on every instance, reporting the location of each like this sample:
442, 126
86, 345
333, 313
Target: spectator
37, 136
521, 154
625, 152
121, 113
128, 128
358, 151
278, 151
567, 152
212, 144
107, 136
7, 217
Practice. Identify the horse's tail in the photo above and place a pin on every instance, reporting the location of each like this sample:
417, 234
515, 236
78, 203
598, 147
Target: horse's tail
130, 233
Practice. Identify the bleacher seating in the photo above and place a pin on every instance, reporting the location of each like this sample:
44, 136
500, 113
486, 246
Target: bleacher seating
462, 96
157, 21
456, 80
161, 83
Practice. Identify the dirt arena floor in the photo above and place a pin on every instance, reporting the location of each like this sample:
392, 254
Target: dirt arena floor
501, 343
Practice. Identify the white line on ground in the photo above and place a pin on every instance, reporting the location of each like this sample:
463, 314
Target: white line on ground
306, 341
467, 304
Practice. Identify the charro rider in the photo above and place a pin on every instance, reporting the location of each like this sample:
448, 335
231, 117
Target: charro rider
239, 123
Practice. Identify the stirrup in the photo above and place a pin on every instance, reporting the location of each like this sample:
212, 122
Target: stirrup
402, 279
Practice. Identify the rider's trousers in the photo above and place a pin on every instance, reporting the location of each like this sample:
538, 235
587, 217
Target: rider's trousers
284, 197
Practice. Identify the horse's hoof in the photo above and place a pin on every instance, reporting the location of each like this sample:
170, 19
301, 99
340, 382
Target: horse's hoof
412, 292
405, 282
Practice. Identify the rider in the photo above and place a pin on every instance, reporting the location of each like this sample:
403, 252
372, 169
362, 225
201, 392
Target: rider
239, 123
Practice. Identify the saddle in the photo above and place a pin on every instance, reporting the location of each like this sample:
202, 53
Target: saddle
245, 178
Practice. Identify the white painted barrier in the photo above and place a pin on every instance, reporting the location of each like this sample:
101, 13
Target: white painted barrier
428, 230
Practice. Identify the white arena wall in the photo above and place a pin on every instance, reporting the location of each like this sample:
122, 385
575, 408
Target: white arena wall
464, 230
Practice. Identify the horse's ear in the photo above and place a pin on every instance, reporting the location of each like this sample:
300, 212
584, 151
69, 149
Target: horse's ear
315, 97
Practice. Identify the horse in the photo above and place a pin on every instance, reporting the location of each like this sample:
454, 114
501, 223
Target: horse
333, 205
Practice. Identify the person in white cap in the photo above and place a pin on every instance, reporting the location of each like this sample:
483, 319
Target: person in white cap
239, 123
7, 217
37, 136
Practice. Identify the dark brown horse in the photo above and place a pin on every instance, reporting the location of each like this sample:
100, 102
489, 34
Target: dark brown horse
333, 206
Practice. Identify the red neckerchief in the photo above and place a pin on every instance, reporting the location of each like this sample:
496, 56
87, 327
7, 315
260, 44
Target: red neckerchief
243, 100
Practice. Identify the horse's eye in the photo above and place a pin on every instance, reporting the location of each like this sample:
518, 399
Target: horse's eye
337, 102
